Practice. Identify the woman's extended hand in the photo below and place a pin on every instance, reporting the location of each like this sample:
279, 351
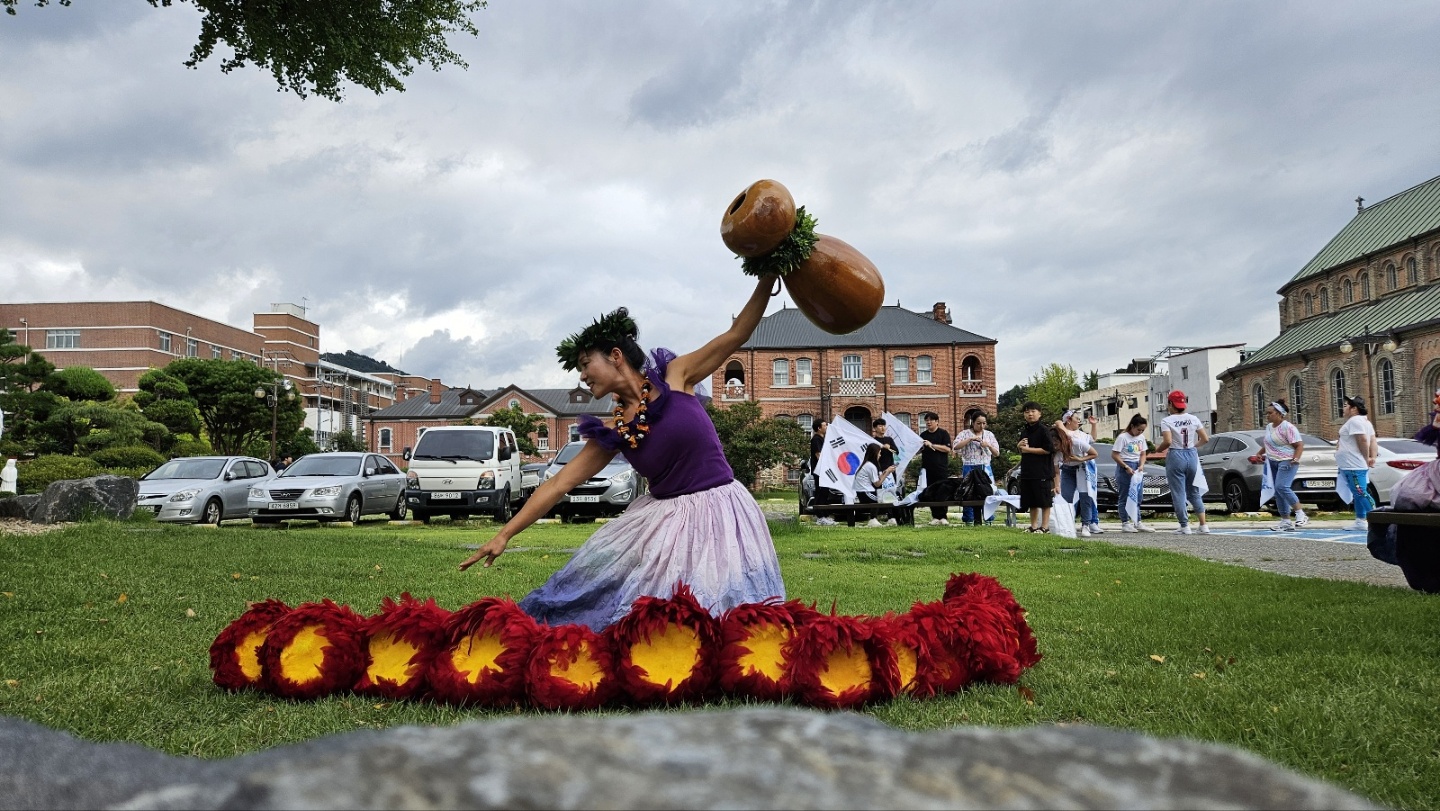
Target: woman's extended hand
488, 553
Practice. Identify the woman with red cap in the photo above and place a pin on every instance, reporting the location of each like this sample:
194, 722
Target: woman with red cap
1181, 436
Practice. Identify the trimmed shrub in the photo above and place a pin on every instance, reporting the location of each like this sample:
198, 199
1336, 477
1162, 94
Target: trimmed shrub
34, 475
192, 447
128, 456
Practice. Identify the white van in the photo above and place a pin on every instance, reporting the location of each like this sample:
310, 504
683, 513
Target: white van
465, 470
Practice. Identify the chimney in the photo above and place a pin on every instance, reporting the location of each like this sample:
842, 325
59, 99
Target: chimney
435, 388
941, 313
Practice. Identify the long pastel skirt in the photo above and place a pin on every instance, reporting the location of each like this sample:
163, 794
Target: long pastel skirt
715, 541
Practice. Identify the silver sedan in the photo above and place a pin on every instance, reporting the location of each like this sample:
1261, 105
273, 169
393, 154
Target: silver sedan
201, 489
331, 487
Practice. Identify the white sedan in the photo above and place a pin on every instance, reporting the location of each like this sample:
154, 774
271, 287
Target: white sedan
1398, 456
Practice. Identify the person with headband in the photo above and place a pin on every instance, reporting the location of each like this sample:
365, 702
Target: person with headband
1181, 437
1281, 449
1075, 472
1355, 454
696, 526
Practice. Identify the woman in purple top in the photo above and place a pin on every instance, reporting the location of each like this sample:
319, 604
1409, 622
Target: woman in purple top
697, 525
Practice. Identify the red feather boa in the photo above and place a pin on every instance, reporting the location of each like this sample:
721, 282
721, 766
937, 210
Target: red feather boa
487, 647
314, 650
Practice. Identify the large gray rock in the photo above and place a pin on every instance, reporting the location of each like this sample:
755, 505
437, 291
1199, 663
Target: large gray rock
754, 758
87, 499
18, 506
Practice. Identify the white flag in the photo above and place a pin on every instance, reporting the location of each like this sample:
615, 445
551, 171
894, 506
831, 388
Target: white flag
1267, 484
907, 441
841, 457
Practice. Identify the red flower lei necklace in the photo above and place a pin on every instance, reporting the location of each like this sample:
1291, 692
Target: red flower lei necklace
634, 431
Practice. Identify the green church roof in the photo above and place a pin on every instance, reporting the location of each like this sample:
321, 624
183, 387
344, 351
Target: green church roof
1391, 221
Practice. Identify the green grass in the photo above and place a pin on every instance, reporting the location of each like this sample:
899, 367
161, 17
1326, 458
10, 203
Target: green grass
1337, 680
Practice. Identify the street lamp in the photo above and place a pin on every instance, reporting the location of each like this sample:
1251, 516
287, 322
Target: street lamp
271, 396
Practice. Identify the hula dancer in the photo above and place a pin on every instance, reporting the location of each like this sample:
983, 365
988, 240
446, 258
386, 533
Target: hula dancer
697, 525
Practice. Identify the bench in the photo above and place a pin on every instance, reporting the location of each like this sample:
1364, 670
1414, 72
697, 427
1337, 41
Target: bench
902, 513
1412, 546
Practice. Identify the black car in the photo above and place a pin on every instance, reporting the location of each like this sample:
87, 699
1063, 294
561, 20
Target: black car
1154, 492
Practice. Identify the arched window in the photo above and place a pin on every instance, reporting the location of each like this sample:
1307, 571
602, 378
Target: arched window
1347, 292
735, 373
850, 367
1412, 272
1297, 399
1365, 287
782, 416
384, 440
780, 372
1337, 393
900, 369
1392, 279
970, 369
1387, 386
1309, 305
802, 372
923, 370
1257, 393
1324, 299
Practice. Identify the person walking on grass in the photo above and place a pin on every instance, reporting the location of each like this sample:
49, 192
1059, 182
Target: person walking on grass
1281, 449
1074, 476
1354, 456
1037, 469
935, 460
1182, 435
1129, 455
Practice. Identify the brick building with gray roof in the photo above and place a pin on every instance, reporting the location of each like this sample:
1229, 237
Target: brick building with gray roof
1361, 318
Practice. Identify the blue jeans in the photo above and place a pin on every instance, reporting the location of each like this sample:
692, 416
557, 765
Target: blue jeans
1358, 482
1072, 479
1123, 477
1282, 475
1181, 465
974, 515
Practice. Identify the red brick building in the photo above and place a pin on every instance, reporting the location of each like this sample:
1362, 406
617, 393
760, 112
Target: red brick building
903, 362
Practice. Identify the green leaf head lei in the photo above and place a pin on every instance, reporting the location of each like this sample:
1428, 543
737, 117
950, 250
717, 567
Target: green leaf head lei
610, 330
790, 253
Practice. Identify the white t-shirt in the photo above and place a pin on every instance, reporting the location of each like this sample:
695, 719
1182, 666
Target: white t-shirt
1079, 446
1354, 442
1130, 447
1184, 430
867, 480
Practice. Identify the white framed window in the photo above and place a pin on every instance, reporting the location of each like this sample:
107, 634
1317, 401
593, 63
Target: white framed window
192, 348
900, 369
850, 367
215, 352
1297, 400
904, 418
806, 421
165, 341
1387, 386
1412, 271
923, 371
62, 339
780, 372
802, 372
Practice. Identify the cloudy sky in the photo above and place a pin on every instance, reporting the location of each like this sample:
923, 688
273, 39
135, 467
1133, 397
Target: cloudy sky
1086, 182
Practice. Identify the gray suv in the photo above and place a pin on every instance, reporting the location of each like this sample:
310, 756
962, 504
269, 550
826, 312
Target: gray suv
1233, 471
606, 493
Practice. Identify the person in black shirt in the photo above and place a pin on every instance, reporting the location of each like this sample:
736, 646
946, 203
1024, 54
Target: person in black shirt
821, 495
935, 459
888, 449
1037, 469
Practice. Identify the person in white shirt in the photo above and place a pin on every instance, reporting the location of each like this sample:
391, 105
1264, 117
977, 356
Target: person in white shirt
1073, 475
1354, 456
868, 481
976, 446
1129, 455
1181, 436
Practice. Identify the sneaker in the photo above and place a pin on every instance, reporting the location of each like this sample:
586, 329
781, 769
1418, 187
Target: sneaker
1301, 519
873, 522
935, 522
1128, 527
1181, 531
1143, 527
1204, 529
1359, 525
827, 521
892, 522
1096, 530
1283, 525
1084, 531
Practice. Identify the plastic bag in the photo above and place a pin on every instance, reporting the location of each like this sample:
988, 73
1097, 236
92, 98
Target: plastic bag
1419, 490
1062, 519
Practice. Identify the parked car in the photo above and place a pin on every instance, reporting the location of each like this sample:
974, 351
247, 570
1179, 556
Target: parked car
201, 489
606, 493
464, 470
1232, 464
338, 486
1397, 457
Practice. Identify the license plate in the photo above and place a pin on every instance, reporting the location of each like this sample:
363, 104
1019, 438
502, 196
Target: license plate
444, 494
585, 499
1150, 491
151, 508
1320, 484
284, 505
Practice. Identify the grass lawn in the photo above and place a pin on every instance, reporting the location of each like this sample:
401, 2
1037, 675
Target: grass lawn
105, 628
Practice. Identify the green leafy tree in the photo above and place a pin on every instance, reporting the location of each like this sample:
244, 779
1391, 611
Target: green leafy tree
1053, 387
78, 383
518, 421
1015, 396
165, 399
346, 441
1092, 380
224, 395
311, 46
22, 371
298, 445
85, 427
753, 444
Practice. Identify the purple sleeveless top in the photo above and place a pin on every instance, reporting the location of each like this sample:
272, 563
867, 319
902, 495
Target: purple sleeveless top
682, 452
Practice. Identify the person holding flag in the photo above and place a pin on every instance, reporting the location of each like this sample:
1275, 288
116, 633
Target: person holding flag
1129, 455
977, 447
1182, 435
842, 456
888, 451
1076, 485
907, 442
